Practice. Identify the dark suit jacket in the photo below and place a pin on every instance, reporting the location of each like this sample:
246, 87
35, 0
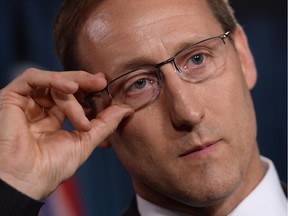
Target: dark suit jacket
284, 187
133, 209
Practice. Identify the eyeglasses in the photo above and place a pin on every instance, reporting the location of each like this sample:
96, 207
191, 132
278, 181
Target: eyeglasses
195, 63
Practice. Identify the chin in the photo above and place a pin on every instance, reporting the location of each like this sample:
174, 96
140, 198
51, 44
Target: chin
209, 192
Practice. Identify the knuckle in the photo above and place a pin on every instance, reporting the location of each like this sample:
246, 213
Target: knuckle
83, 72
8, 98
27, 74
55, 76
30, 72
4, 93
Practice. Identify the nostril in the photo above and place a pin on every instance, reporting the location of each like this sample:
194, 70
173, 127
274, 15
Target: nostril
184, 127
185, 119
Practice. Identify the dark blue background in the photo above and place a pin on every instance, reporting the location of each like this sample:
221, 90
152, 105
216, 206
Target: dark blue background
26, 40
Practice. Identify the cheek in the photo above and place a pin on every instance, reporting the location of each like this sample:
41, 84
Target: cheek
136, 142
232, 107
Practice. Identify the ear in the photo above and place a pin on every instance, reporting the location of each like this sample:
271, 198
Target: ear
245, 56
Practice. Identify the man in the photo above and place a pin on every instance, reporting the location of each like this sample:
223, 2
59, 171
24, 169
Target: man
167, 88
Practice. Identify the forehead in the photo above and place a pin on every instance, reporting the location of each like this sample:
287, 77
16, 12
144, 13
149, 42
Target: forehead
122, 16
119, 30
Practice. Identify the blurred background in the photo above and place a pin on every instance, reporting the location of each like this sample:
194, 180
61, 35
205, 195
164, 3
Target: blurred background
102, 187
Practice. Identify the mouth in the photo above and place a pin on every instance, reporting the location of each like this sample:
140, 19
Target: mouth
202, 150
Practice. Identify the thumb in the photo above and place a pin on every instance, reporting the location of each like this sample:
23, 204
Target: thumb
105, 123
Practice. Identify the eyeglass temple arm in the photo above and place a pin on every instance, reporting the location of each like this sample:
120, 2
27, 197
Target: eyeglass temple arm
225, 35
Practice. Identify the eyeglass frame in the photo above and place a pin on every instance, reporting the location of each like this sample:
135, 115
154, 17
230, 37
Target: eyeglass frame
159, 65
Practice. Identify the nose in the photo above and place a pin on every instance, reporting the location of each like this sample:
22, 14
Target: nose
181, 100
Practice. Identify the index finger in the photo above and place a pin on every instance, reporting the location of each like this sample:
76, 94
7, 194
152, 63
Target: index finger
67, 82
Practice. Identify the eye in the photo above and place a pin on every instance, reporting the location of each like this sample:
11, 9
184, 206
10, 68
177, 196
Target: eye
139, 84
197, 59
136, 88
195, 62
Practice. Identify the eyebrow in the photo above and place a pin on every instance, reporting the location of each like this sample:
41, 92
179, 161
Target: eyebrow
136, 63
142, 61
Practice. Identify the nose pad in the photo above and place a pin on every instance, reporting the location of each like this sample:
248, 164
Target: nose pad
164, 64
179, 72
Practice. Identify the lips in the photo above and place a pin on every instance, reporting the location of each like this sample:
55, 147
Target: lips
199, 149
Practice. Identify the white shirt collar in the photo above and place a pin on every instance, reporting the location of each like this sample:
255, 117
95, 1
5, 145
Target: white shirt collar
147, 208
266, 199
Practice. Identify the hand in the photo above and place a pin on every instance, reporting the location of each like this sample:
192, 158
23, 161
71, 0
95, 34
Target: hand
36, 154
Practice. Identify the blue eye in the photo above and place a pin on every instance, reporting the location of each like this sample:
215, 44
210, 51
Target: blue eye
141, 83
136, 85
197, 59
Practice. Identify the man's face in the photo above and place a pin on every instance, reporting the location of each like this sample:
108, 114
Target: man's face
196, 142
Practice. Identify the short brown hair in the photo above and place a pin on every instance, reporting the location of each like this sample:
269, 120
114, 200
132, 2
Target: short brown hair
75, 12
